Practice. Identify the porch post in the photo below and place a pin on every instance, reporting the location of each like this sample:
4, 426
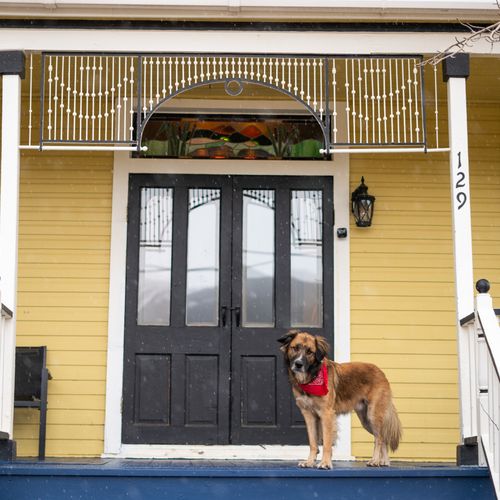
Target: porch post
455, 73
12, 70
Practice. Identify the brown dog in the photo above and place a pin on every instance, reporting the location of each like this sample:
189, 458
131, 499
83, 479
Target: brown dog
324, 389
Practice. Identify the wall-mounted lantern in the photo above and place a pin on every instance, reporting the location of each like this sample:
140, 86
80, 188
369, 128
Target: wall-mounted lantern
362, 205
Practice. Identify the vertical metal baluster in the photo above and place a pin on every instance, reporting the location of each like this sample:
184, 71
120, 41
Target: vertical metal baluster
151, 76
189, 79
252, 72
75, 94
403, 100
384, 99
61, 105
379, 118
258, 69
347, 106
367, 113
30, 110
302, 79
360, 103
92, 117
112, 103
321, 108
157, 95
164, 80
391, 97
80, 95
315, 101
125, 98
353, 95
397, 92
119, 100
56, 97
308, 71
436, 110
176, 77
87, 95
417, 112
295, 81
106, 97
410, 100
334, 95
99, 116
195, 77
183, 73
233, 69
131, 102
372, 97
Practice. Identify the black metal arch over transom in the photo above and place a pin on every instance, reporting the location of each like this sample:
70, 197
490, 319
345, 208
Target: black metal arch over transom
321, 118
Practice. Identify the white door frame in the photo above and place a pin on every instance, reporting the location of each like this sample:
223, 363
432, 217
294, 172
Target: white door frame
124, 165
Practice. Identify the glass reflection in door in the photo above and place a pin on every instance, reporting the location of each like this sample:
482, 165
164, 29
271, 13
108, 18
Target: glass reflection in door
258, 258
306, 259
155, 256
202, 281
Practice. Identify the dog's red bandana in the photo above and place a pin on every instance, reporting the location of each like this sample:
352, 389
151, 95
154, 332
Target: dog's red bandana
318, 386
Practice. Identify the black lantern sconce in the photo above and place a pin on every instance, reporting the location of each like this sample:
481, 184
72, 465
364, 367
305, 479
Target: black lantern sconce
362, 205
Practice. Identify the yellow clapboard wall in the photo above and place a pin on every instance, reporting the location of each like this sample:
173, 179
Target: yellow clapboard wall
402, 292
64, 241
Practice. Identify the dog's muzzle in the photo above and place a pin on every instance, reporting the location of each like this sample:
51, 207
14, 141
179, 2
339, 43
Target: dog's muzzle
299, 365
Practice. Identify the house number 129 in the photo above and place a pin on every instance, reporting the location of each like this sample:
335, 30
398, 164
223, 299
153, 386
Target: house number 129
460, 184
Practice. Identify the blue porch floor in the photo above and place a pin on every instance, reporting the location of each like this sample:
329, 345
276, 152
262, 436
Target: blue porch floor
186, 479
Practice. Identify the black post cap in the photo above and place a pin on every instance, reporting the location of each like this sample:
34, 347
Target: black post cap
12, 63
483, 286
456, 66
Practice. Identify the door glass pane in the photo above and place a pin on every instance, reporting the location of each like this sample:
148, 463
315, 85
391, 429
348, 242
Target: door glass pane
202, 283
258, 258
155, 256
306, 259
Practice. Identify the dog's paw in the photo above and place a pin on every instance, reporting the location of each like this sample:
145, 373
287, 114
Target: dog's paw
325, 465
377, 463
306, 464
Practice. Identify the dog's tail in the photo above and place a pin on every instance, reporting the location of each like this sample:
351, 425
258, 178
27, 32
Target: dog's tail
391, 427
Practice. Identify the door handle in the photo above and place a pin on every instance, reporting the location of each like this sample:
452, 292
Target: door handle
237, 316
223, 314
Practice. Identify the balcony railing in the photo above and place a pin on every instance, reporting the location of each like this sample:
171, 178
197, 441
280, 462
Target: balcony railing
104, 100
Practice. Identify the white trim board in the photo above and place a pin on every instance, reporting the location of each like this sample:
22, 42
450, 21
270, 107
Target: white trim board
229, 452
125, 165
255, 42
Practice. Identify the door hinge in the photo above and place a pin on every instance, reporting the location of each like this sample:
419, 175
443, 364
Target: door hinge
121, 405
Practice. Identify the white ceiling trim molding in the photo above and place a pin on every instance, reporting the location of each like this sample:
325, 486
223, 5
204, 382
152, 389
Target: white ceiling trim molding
301, 10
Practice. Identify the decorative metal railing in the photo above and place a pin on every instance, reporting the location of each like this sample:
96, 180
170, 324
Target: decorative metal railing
105, 100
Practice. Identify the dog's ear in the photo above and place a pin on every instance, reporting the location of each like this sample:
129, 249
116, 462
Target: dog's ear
322, 348
286, 339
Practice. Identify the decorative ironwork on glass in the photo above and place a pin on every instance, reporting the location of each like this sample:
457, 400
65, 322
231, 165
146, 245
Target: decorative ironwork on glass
155, 256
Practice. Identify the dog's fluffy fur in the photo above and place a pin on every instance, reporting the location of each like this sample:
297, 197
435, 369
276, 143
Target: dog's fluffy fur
359, 387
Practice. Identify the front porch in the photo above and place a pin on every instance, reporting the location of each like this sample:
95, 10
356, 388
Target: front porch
227, 479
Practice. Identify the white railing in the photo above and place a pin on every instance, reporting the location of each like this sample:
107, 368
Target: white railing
486, 355
5, 315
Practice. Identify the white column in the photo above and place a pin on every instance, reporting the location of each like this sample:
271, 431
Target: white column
9, 217
462, 241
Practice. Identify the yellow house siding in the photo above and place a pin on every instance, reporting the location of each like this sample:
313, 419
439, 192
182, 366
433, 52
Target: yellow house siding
402, 306
484, 137
65, 225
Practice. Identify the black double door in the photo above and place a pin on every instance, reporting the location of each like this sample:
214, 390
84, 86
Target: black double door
218, 268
